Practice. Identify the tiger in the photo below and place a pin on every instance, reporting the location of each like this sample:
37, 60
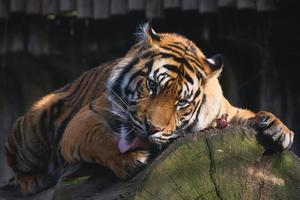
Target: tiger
119, 113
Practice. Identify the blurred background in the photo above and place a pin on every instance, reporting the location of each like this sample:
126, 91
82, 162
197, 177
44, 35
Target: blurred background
45, 44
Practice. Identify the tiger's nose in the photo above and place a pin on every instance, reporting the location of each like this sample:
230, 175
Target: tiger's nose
151, 128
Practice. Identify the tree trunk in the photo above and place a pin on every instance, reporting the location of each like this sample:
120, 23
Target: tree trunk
217, 164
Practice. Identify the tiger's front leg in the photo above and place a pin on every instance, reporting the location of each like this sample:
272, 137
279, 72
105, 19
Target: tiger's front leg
270, 129
269, 126
87, 138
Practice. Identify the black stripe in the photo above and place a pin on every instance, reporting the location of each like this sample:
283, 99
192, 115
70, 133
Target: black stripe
176, 47
155, 73
202, 102
190, 94
18, 130
184, 123
191, 57
175, 69
91, 107
270, 125
198, 74
170, 82
149, 66
188, 50
56, 108
180, 90
188, 78
25, 149
133, 76
23, 160
172, 68
197, 114
33, 147
187, 113
55, 111
161, 80
132, 103
147, 54
184, 62
196, 63
88, 139
138, 84
155, 55
63, 89
93, 91
60, 129
117, 86
134, 118
197, 94
181, 61
162, 74
11, 145
44, 126
78, 82
164, 55
172, 50
187, 87
85, 88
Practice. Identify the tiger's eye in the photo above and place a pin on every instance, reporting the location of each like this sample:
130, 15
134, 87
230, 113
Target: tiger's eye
182, 103
152, 86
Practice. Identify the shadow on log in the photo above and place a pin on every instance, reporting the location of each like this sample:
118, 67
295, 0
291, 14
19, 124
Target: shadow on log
216, 164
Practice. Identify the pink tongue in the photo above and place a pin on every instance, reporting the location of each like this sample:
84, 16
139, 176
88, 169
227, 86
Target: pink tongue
125, 145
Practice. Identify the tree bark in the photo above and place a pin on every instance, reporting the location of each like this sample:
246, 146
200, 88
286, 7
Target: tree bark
216, 164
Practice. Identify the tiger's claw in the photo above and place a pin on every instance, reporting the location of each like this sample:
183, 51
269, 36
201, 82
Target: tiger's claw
271, 127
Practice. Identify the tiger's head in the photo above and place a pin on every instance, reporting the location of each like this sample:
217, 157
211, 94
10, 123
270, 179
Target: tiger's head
165, 86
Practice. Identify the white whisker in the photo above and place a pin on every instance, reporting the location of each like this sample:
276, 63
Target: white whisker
125, 120
130, 131
111, 111
117, 95
143, 99
118, 105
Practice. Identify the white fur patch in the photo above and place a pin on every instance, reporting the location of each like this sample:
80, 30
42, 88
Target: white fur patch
116, 72
210, 107
211, 61
160, 135
286, 141
142, 33
143, 157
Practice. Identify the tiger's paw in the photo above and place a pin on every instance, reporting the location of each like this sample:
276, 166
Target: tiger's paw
132, 163
271, 128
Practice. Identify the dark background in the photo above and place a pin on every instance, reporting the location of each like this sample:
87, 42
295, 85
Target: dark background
45, 44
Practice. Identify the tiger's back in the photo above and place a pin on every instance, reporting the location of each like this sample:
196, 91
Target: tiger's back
32, 149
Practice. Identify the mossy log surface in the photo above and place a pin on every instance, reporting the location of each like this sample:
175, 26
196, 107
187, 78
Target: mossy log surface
217, 164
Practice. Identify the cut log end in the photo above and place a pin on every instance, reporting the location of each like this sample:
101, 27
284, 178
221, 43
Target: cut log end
217, 164
221, 164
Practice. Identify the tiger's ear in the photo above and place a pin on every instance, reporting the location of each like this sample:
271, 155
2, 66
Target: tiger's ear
148, 35
215, 64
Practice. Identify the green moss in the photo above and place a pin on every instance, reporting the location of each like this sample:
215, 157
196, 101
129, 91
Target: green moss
224, 165
75, 181
284, 161
170, 178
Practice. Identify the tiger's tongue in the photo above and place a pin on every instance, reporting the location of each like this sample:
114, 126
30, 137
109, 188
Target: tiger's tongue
125, 145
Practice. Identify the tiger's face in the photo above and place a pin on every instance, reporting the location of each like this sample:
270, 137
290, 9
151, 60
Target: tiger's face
164, 99
162, 87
